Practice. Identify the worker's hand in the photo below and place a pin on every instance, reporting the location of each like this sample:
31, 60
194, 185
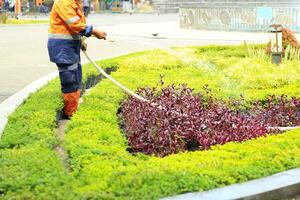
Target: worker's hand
83, 44
99, 34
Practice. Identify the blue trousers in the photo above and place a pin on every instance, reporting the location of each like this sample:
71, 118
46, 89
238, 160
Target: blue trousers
70, 77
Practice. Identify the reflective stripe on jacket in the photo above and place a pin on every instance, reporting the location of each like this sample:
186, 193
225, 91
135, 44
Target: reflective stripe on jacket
67, 25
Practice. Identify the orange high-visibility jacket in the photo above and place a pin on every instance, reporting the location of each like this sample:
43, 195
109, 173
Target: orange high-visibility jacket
67, 25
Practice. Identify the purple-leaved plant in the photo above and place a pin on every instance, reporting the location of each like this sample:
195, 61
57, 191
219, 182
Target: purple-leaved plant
189, 121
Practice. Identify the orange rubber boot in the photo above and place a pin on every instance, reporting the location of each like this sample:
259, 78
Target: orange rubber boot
71, 101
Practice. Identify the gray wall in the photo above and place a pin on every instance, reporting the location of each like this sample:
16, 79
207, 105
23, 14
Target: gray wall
240, 17
172, 6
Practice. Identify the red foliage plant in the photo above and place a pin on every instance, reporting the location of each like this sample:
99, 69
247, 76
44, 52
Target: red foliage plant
189, 121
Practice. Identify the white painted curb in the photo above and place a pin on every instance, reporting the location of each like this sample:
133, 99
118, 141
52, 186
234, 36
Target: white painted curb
8, 106
278, 185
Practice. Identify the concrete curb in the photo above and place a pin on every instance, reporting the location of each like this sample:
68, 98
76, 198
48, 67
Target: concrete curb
9, 105
280, 186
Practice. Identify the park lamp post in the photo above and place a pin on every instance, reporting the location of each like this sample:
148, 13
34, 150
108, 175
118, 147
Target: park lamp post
276, 43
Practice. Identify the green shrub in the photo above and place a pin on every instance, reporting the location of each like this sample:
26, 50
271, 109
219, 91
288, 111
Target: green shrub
3, 18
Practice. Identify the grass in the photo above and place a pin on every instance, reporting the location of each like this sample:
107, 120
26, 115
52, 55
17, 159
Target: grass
27, 21
101, 166
14, 21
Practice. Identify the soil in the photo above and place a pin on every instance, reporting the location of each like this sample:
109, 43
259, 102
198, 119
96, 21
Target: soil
61, 126
62, 123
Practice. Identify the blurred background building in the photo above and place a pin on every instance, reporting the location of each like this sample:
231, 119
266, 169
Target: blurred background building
44, 6
172, 6
243, 15
247, 15
162, 6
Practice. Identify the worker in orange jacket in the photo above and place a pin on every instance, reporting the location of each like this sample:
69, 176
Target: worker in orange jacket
67, 26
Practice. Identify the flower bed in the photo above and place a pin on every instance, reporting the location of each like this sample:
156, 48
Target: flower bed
102, 168
178, 120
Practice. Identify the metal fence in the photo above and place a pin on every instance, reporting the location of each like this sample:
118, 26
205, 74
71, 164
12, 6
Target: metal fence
246, 17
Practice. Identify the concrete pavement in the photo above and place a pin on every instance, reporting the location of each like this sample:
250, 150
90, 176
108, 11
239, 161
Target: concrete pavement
24, 57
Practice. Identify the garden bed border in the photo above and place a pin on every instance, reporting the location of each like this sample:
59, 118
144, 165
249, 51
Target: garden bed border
279, 186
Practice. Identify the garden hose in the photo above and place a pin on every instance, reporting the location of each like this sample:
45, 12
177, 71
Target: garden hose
113, 80
84, 49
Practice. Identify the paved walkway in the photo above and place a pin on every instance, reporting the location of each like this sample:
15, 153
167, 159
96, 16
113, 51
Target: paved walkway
24, 57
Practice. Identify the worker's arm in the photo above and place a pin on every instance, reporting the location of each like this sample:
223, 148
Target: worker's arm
68, 14
99, 34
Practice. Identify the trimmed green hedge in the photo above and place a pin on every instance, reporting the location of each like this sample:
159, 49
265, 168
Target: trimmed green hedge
29, 166
101, 166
